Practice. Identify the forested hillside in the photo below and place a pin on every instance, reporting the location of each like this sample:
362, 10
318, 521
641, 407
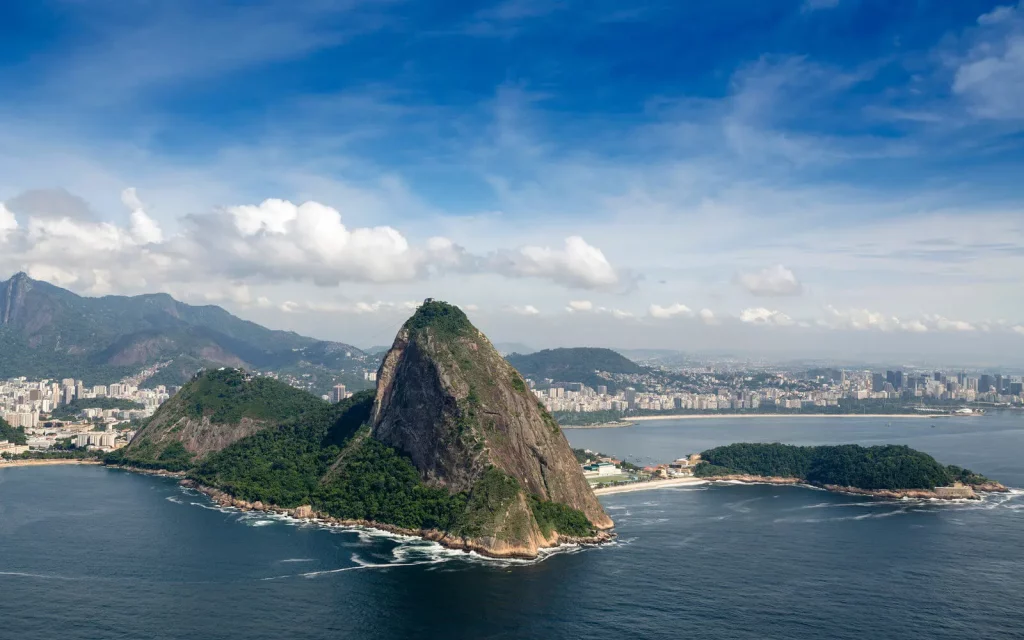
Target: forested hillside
873, 468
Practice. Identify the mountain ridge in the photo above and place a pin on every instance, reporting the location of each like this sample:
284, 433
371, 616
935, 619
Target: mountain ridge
47, 331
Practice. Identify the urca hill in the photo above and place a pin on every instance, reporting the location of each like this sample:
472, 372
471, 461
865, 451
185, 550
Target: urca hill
452, 446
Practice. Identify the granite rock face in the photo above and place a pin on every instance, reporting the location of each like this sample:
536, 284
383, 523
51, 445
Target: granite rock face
448, 400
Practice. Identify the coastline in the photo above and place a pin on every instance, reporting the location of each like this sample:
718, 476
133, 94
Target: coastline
43, 463
650, 485
306, 513
920, 494
631, 422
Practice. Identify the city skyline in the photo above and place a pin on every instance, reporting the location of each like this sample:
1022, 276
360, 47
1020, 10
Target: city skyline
805, 178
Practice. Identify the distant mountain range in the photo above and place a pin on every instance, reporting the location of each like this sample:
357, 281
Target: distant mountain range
47, 331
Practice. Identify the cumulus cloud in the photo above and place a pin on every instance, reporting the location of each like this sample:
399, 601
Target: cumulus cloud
671, 311
1019, 329
858, 319
945, 324
270, 242
576, 264
580, 305
621, 314
771, 281
280, 240
707, 316
760, 315
8, 223
526, 310
143, 229
863, 319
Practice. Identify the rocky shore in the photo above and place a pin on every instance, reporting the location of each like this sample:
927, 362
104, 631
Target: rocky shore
486, 547
892, 494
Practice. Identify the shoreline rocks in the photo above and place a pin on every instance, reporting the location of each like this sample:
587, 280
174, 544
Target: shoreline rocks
496, 549
921, 494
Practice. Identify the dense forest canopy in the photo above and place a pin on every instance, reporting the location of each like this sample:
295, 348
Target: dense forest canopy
228, 395
878, 467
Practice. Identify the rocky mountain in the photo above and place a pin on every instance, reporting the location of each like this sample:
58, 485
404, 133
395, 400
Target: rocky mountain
580, 364
452, 446
464, 416
214, 410
47, 331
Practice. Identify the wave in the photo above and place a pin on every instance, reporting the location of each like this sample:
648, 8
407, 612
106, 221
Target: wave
288, 560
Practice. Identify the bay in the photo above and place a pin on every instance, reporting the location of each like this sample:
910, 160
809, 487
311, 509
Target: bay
88, 552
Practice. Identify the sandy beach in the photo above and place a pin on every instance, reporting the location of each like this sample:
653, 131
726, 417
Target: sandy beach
648, 486
43, 463
880, 416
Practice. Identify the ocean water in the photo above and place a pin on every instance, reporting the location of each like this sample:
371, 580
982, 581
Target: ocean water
88, 553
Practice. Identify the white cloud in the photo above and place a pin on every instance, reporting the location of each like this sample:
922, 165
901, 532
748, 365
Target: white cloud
580, 305
527, 310
470, 307
945, 324
143, 229
707, 316
771, 281
1019, 329
990, 76
620, 314
997, 15
914, 326
760, 315
576, 264
8, 222
671, 311
351, 308
858, 320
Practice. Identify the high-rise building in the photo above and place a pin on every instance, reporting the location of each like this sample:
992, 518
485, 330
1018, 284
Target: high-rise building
338, 393
877, 382
602, 390
985, 383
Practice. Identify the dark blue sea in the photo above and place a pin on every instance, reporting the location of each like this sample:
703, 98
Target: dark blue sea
88, 553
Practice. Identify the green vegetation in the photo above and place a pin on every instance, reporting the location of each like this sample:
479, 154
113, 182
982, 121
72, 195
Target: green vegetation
228, 395
12, 434
443, 318
872, 468
376, 483
284, 466
561, 518
54, 333
490, 498
574, 365
75, 407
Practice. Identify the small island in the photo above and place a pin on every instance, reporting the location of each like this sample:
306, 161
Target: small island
889, 471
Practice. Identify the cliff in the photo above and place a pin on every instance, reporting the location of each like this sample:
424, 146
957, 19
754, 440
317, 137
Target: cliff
464, 416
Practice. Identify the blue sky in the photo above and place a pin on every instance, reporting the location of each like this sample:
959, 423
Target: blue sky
840, 176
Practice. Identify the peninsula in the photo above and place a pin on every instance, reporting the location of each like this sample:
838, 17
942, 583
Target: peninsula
889, 471
452, 446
